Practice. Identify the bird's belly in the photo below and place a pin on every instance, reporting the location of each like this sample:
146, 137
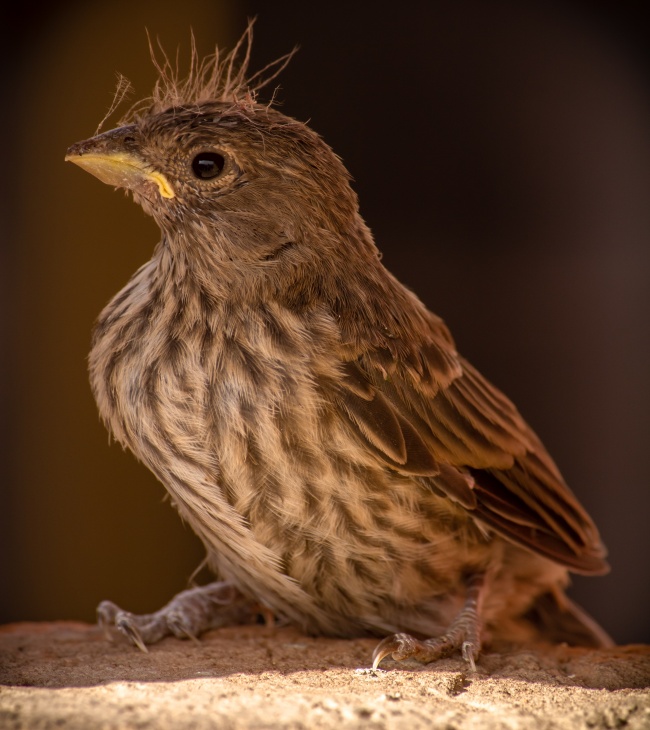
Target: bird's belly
289, 509
284, 510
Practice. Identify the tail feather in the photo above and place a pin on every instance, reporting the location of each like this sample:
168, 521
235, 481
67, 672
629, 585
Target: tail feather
559, 619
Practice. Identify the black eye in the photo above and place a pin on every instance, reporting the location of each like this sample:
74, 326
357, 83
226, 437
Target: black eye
208, 165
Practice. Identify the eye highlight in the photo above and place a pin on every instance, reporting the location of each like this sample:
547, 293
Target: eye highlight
208, 165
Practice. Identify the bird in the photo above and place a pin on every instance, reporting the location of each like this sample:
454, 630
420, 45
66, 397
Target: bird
346, 469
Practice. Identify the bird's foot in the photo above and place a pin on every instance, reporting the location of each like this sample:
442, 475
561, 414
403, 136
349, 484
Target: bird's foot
405, 646
186, 616
464, 634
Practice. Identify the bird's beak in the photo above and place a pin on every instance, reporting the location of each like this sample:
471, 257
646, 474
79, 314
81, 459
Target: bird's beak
116, 167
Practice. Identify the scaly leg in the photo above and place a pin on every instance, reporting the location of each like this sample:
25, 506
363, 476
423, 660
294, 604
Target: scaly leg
464, 634
187, 615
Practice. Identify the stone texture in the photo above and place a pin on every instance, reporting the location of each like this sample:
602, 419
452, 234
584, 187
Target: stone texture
66, 675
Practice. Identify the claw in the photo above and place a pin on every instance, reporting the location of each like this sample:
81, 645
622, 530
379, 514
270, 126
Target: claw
390, 645
125, 625
179, 628
469, 652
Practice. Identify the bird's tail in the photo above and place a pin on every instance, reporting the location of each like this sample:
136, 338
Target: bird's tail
559, 619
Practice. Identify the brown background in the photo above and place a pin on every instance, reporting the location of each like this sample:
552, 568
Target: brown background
501, 152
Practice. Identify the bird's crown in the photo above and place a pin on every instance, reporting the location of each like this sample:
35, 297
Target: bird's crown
219, 77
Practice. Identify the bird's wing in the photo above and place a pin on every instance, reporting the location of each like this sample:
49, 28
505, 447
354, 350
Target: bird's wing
427, 412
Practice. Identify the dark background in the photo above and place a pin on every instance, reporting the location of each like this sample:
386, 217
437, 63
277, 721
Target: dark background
501, 152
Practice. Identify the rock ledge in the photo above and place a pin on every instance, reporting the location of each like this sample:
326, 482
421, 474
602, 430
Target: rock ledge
66, 675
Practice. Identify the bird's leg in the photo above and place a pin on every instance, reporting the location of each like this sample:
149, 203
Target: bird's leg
464, 634
187, 615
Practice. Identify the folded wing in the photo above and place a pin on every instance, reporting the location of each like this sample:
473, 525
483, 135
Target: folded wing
423, 410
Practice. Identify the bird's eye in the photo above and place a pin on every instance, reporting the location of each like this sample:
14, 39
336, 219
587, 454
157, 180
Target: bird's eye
208, 165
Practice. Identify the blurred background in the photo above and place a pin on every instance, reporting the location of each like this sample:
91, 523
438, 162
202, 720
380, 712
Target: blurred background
501, 152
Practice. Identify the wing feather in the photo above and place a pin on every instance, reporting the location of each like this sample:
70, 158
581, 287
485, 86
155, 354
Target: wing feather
425, 411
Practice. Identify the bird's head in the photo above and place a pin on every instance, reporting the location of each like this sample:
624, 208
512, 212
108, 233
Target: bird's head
220, 158
206, 160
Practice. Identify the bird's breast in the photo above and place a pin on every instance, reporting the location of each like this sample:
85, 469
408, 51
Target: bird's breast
228, 413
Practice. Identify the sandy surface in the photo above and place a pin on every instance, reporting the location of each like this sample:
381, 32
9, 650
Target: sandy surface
66, 675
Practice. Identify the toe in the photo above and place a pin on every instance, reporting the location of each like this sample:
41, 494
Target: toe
124, 622
178, 625
106, 613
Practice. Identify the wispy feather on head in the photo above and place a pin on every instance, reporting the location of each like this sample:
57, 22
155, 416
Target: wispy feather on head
221, 77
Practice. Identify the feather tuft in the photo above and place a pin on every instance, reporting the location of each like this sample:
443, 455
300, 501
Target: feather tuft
218, 77
122, 90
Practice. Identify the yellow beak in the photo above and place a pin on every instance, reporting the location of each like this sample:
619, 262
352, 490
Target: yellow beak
121, 170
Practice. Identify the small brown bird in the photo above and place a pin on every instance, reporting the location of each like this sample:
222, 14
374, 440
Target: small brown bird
344, 466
